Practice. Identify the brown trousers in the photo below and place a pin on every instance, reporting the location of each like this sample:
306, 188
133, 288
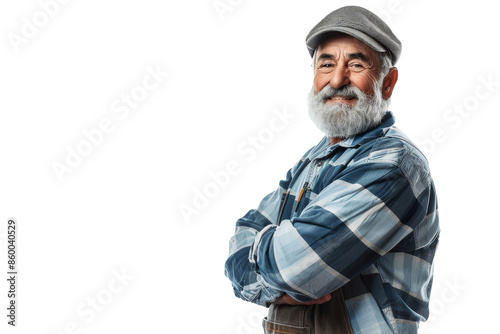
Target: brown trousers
328, 318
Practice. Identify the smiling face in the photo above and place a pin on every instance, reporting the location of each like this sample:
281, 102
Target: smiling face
352, 86
342, 60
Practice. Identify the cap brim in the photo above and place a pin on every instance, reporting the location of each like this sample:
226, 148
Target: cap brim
313, 40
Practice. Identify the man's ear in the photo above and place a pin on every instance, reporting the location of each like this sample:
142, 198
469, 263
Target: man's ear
389, 82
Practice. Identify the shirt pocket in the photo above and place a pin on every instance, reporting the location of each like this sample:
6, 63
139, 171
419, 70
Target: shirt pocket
305, 193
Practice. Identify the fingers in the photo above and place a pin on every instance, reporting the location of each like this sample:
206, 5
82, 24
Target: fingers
321, 300
286, 299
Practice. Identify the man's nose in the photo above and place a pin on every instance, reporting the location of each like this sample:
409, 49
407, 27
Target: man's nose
339, 78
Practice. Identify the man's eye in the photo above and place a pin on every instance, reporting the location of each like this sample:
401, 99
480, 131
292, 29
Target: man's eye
326, 67
356, 67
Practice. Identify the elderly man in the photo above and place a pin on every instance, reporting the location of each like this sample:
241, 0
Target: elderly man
346, 243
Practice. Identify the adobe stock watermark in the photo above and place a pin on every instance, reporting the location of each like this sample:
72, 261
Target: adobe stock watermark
394, 7
88, 310
31, 26
454, 116
247, 151
440, 302
122, 107
222, 7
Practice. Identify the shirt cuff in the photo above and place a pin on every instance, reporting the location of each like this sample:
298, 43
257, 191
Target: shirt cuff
254, 250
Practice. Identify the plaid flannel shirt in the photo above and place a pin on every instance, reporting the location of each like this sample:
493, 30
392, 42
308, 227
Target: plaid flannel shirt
360, 215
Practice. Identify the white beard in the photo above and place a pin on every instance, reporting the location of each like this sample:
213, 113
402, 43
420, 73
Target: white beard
343, 120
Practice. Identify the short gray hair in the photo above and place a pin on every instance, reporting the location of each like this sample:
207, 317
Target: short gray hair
385, 62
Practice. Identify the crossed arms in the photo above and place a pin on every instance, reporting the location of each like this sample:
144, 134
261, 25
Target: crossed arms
370, 209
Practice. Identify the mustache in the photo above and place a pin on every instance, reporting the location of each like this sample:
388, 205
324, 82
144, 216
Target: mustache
346, 91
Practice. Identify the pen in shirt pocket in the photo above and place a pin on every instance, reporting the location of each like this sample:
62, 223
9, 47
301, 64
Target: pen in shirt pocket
304, 189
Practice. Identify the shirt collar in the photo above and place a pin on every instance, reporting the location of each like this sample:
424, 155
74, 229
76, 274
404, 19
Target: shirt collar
324, 148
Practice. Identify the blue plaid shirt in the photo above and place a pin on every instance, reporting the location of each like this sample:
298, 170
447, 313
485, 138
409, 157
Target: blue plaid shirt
360, 215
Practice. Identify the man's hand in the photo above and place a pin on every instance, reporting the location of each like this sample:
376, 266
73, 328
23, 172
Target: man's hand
286, 299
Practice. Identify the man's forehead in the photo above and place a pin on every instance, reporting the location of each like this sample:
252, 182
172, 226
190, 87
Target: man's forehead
344, 45
340, 41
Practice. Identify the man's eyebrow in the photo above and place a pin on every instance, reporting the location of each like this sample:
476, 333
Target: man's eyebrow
326, 56
358, 55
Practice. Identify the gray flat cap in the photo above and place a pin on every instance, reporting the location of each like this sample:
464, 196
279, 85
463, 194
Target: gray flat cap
359, 23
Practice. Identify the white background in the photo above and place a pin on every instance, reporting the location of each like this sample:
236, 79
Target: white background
229, 70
